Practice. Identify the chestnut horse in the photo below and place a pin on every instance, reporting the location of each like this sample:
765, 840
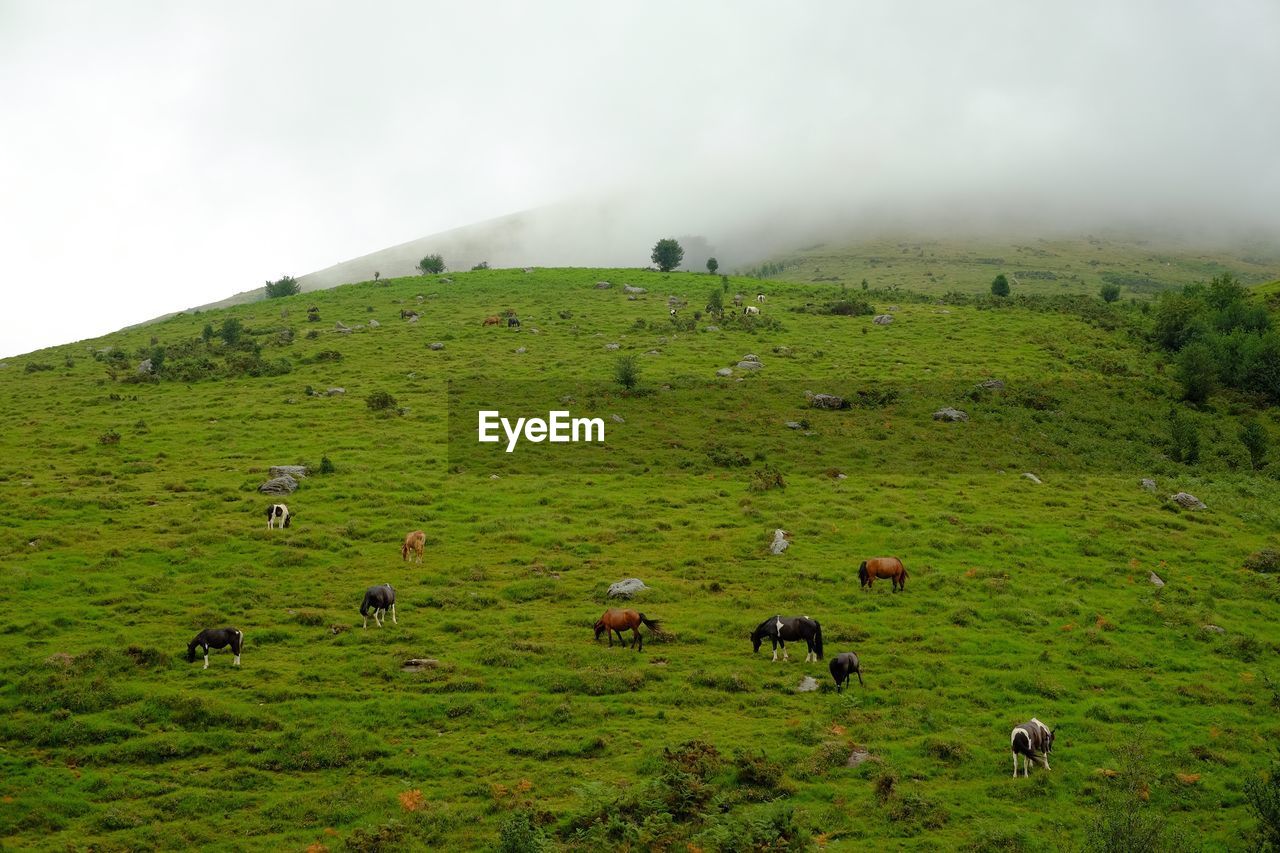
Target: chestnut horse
491, 321
616, 621
414, 544
883, 567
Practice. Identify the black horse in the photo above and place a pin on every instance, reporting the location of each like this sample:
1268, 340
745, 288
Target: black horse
842, 665
216, 638
780, 629
376, 600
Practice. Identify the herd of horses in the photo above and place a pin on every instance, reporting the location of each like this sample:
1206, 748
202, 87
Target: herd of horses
1032, 740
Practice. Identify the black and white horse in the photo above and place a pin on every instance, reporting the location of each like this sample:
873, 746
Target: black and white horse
780, 629
750, 310
1033, 741
377, 599
760, 298
513, 322
842, 666
280, 513
216, 638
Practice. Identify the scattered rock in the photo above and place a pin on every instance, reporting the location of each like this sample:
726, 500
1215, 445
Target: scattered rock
725, 371
631, 299
857, 757
419, 664
617, 419
494, 477
603, 285
1213, 629
342, 327
373, 324
528, 269
826, 401
781, 541
285, 485
991, 385
437, 345
446, 281
1187, 501
337, 629
613, 347
144, 367
891, 309
1155, 579
419, 297
653, 352
808, 684
793, 425
1148, 484
298, 472
749, 365
883, 319
711, 329
568, 399
626, 588
783, 351
626, 288
413, 319
950, 415
1267, 560
1027, 475
751, 357
842, 476
335, 392
521, 350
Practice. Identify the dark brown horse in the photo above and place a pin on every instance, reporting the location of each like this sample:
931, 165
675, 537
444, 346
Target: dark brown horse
616, 621
883, 567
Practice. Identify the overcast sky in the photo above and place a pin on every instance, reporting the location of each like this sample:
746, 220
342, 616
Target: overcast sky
155, 156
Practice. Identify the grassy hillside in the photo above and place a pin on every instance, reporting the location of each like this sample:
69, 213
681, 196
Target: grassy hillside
1141, 268
1023, 599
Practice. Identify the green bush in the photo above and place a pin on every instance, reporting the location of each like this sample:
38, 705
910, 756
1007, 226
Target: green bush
1263, 793
1110, 292
380, 401
285, 286
1000, 286
1184, 438
626, 372
667, 254
431, 265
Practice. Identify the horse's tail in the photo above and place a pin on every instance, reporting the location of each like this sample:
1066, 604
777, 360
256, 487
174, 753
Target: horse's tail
652, 624
902, 582
862, 573
817, 638
404, 550
364, 604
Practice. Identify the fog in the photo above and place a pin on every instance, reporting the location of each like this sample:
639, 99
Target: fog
157, 156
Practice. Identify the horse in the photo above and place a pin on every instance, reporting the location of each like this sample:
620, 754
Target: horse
616, 621
760, 298
883, 567
278, 512
376, 600
841, 666
750, 310
216, 638
1033, 741
406, 314
513, 322
780, 629
414, 544
492, 321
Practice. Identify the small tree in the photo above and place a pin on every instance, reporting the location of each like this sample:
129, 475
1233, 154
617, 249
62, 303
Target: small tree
626, 372
667, 254
1253, 436
1184, 438
1110, 292
380, 401
431, 265
376, 275
230, 331
1000, 286
483, 265
286, 286
207, 333
1263, 792
712, 265
715, 303
1197, 371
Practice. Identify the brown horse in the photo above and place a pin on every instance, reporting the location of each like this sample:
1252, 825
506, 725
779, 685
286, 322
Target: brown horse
492, 321
883, 567
616, 621
414, 544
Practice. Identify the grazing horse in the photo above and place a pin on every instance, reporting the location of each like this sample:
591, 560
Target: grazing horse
492, 321
376, 600
1033, 741
781, 629
280, 513
414, 544
760, 298
513, 322
841, 666
616, 621
216, 638
883, 567
750, 310
406, 314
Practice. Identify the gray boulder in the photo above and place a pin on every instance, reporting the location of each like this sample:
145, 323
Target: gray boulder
749, 365
342, 327
1148, 484
1187, 501
626, 588
437, 345
1155, 579
826, 401
521, 350
1032, 477
808, 684
335, 392
373, 324
144, 367
950, 415
613, 347
603, 285
991, 385
285, 485
781, 542
617, 419
725, 371
626, 288
298, 472
883, 319
711, 329
1213, 629
793, 425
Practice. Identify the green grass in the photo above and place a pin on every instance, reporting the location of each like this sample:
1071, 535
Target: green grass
1023, 599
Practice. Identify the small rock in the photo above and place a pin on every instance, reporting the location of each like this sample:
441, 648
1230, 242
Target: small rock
725, 371
373, 324
446, 281
826, 401
521, 351
793, 425
603, 285
419, 297
1187, 501
891, 309
857, 757
617, 419
883, 319
1148, 484
144, 367
1155, 579
335, 392
413, 319
613, 347
298, 472
437, 345
711, 329
285, 485
781, 541
568, 399
1027, 475
951, 415
1213, 629
842, 476
337, 629
626, 588
653, 352
528, 269
631, 299
419, 664
991, 385
626, 288
342, 327
494, 477
749, 365
751, 357
808, 684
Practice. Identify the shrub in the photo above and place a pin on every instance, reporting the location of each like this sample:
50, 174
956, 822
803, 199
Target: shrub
230, 331
727, 457
431, 265
1263, 793
519, 834
1000, 286
626, 372
1110, 292
766, 478
1124, 822
1267, 560
1253, 436
380, 401
712, 265
1197, 371
285, 286
109, 437
313, 315
667, 254
326, 466
849, 308
1184, 438
715, 303
483, 265
37, 366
